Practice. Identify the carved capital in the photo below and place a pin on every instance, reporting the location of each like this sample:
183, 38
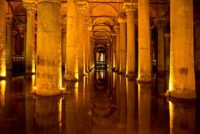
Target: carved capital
83, 7
116, 28
9, 17
130, 6
122, 18
30, 7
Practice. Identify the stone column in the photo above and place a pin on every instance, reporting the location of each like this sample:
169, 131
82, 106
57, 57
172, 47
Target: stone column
90, 46
71, 67
30, 37
197, 45
83, 8
114, 51
2, 38
48, 73
9, 43
63, 46
182, 75
122, 22
130, 65
167, 51
160, 24
144, 56
117, 47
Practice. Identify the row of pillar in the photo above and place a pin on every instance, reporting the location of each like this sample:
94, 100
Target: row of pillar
49, 74
182, 75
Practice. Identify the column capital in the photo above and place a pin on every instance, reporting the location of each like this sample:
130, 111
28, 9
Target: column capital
9, 17
130, 6
122, 17
116, 28
83, 7
30, 7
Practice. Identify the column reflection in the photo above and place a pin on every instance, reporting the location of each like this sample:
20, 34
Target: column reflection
132, 111
144, 108
123, 102
71, 107
182, 117
2, 92
47, 114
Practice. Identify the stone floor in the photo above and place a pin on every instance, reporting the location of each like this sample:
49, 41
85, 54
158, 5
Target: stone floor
100, 103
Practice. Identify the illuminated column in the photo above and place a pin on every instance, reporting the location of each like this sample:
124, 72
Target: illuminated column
122, 22
144, 57
182, 78
161, 45
117, 48
63, 46
167, 51
48, 73
197, 46
90, 45
82, 15
9, 43
2, 38
114, 51
130, 65
71, 67
30, 37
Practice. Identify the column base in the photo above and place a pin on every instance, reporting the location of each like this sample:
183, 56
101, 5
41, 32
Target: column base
144, 80
3, 77
131, 75
189, 95
47, 92
70, 78
29, 73
121, 73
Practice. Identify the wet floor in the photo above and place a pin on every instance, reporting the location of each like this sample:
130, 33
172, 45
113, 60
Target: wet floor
100, 103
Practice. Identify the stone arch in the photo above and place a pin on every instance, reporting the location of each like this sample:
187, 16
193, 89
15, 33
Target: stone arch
103, 10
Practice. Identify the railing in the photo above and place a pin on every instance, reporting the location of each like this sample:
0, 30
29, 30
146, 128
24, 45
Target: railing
100, 65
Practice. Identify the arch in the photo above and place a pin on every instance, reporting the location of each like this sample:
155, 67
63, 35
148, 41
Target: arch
104, 10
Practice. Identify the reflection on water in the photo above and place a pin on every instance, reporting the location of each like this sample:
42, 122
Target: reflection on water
100, 103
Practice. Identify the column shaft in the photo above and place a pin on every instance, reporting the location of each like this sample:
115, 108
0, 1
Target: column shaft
83, 8
71, 67
144, 67
48, 73
161, 48
2, 39
114, 52
117, 48
30, 38
130, 67
182, 75
9, 43
122, 46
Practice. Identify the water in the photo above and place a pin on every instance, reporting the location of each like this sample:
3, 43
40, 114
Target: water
100, 103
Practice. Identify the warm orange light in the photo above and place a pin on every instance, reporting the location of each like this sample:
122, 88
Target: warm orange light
76, 91
171, 115
170, 82
3, 69
2, 92
60, 113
